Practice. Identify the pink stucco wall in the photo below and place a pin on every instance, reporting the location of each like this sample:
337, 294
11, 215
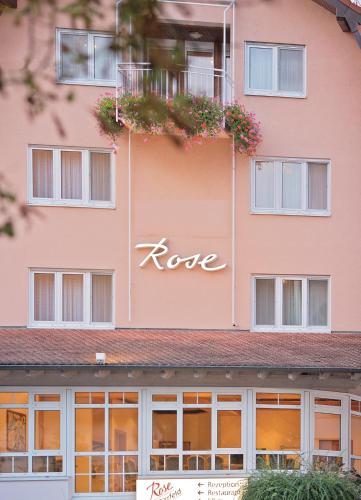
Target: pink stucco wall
186, 196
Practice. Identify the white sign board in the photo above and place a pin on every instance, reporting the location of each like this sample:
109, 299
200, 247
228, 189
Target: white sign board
191, 489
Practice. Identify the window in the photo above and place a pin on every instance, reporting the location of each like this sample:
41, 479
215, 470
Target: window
327, 431
75, 177
278, 430
196, 431
71, 298
31, 441
275, 70
106, 441
356, 435
85, 57
282, 302
291, 187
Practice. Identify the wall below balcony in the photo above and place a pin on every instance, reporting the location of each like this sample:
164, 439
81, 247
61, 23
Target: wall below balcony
36, 489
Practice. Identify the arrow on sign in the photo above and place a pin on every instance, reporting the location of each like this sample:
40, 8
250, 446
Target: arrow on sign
200, 484
200, 493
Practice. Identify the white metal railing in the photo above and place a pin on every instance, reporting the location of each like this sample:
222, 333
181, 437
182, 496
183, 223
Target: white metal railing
140, 78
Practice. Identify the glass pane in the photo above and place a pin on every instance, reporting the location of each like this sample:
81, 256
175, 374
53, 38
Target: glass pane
265, 301
229, 398
164, 429
197, 462
356, 466
82, 398
260, 68
200, 66
130, 482
44, 297
82, 484
47, 429
355, 435
8, 398
197, 429
317, 302
290, 70
123, 429
119, 398
164, 398
278, 429
236, 462
100, 178
5, 465
229, 429
73, 297
104, 58
97, 483
71, 175
164, 462
327, 432
355, 405
82, 465
116, 483
264, 179
102, 306
327, 463
97, 398
74, 56
327, 402
292, 302
55, 464
89, 429
291, 185
13, 430
190, 398
317, 186
39, 464
289, 399
47, 398
20, 465
204, 398
42, 173
268, 398
274, 461
97, 464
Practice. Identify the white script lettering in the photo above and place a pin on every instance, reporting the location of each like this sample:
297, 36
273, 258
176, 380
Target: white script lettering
160, 249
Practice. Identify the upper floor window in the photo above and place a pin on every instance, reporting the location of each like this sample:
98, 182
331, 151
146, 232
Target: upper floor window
291, 186
275, 70
71, 298
76, 177
356, 434
291, 303
85, 57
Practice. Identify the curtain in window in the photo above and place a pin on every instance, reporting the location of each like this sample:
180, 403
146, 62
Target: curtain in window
100, 176
101, 298
200, 73
291, 185
290, 70
317, 186
104, 58
292, 302
265, 301
71, 175
260, 68
42, 173
72, 297
317, 299
74, 56
264, 176
44, 297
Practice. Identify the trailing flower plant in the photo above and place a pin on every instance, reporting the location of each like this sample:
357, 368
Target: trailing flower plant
192, 118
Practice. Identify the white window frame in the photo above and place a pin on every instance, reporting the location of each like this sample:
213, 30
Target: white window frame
274, 92
32, 406
87, 305
57, 200
90, 63
277, 209
106, 453
213, 451
345, 430
356, 414
277, 327
300, 407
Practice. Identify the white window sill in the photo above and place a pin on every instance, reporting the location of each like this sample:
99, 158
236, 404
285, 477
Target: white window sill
303, 213
72, 204
289, 329
276, 94
71, 326
33, 477
93, 83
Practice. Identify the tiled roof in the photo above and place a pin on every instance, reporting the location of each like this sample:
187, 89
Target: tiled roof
180, 348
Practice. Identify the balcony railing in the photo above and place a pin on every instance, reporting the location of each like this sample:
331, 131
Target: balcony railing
140, 78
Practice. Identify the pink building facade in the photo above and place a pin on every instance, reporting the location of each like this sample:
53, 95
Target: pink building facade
173, 313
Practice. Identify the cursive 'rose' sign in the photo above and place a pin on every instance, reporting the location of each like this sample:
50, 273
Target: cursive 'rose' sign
159, 250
